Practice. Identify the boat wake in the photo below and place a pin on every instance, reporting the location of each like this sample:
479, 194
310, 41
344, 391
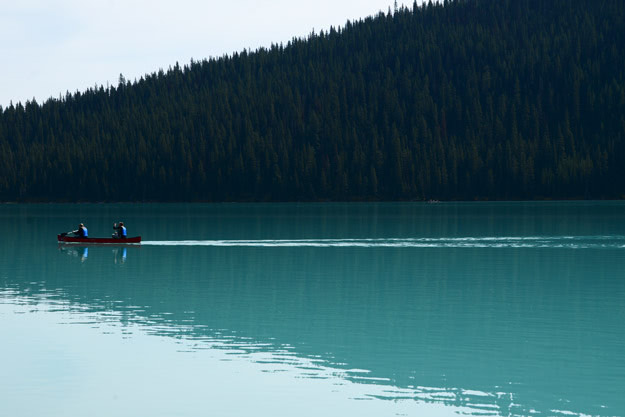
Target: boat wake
570, 242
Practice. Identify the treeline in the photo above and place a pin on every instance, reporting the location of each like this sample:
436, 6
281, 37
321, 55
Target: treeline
488, 99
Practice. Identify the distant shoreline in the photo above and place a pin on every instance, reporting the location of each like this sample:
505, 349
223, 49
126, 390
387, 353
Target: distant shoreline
314, 201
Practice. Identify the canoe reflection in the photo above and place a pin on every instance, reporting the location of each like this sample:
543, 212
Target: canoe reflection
82, 252
120, 255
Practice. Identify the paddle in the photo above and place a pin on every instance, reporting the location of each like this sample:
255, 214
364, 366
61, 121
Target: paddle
65, 234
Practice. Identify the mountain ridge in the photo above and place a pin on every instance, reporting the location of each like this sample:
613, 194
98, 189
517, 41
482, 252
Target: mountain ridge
460, 100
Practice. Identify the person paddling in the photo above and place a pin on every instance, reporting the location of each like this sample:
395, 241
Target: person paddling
82, 231
120, 231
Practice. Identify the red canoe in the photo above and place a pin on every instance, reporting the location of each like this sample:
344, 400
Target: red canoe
109, 240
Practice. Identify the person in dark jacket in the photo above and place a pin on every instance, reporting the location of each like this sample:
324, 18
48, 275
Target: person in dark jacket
120, 231
81, 231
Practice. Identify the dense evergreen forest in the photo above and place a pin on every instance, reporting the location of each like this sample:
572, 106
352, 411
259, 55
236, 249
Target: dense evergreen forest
466, 99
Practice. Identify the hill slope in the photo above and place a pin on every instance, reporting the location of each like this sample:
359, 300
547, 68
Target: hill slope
490, 99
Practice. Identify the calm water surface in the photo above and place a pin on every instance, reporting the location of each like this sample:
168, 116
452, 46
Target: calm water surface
315, 309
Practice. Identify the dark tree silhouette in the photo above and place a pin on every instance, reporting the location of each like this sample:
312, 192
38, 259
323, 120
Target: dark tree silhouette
489, 99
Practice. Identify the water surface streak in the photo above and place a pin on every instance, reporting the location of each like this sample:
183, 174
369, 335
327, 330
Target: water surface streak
570, 242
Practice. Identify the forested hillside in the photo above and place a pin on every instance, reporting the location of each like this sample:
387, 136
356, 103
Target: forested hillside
488, 99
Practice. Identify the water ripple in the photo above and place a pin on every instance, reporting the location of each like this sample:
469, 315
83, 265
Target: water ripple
567, 242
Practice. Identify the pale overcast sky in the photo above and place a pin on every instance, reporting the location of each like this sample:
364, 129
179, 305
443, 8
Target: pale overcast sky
53, 46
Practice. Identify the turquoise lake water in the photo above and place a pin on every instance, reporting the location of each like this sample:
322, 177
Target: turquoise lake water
404, 309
